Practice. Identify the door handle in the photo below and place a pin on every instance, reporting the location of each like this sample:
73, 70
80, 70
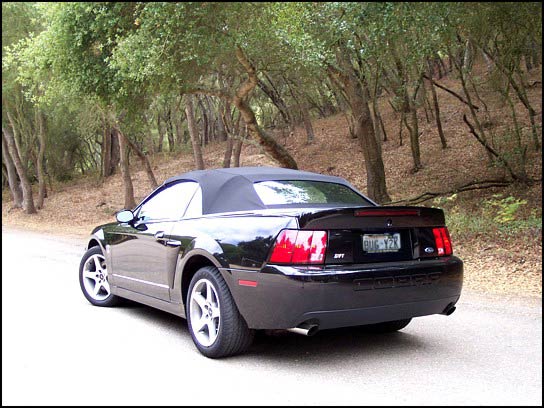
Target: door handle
159, 235
173, 243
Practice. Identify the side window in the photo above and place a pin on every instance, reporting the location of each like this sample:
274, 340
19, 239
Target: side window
195, 206
169, 203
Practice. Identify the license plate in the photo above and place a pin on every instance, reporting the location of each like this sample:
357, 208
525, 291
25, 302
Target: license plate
379, 243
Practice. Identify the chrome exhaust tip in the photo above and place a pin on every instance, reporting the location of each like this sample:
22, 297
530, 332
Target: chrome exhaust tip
305, 329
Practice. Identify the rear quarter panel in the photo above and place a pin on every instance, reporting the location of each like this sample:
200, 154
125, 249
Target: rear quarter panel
239, 242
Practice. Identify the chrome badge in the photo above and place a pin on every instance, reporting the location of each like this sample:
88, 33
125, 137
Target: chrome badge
429, 250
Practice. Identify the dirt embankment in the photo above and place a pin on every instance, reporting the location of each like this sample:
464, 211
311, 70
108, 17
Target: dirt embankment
494, 264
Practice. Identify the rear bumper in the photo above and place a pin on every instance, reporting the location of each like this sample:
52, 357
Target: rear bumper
343, 296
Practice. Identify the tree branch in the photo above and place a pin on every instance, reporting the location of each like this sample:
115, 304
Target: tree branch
450, 92
474, 185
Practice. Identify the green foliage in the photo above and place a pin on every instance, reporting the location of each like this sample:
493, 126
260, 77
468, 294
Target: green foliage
82, 64
498, 215
506, 208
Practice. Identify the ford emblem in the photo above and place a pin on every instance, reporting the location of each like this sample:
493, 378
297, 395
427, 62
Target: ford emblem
429, 250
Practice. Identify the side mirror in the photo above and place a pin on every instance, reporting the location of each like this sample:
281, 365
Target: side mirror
124, 216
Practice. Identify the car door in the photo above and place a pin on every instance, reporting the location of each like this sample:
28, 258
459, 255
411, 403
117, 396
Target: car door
141, 250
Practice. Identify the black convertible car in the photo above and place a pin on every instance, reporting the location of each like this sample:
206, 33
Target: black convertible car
240, 249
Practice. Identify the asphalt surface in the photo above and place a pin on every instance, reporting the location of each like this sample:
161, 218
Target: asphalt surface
57, 349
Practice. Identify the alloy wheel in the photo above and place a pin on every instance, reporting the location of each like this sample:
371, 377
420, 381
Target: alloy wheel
95, 278
205, 312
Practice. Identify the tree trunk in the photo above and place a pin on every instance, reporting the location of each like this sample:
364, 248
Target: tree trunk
402, 115
520, 92
222, 130
160, 129
231, 130
307, 124
414, 138
228, 153
409, 108
40, 162
212, 113
376, 185
437, 117
488, 63
178, 120
28, 200
143, 158
205, 123
428, 110
363, 128
115, 152
383, 129
193, 132
472, 110
338, 97
110, 151
268, 143
328, 107
277, 100
170, 130
237, 152
378, 123
468, 58
106, 151
377, 119
13, 182
130, 203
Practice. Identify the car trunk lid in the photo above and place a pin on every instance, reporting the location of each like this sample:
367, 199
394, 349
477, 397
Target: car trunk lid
376, 234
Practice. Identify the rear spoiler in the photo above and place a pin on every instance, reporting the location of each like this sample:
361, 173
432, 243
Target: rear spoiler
372, 217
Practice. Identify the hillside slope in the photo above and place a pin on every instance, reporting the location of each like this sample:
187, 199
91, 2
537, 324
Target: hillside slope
504, 260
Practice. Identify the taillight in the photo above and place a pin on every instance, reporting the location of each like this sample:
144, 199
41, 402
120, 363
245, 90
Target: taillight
442, 241
299, 247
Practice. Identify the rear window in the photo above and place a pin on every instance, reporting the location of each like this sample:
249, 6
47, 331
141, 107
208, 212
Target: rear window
307, 192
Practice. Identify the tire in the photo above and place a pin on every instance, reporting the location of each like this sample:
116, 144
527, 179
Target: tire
216, 326
93, 279
387, 327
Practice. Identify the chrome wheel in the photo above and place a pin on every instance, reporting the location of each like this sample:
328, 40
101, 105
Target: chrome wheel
95, 277
205, 312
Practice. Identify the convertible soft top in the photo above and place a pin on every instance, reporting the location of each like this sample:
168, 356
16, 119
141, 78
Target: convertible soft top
231, 189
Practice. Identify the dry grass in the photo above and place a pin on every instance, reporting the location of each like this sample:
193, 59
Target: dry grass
492, 264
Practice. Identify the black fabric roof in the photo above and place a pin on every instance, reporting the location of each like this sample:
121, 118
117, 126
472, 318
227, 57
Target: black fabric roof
231, 189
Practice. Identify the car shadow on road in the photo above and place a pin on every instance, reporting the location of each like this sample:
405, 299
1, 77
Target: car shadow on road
332, 346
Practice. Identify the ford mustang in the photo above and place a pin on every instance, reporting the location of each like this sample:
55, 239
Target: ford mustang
251, 248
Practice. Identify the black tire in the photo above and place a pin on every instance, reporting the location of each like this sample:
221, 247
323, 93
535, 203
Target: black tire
387, 327
232, 333
104, 297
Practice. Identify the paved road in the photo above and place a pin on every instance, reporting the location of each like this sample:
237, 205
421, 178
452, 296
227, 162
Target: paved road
58, 349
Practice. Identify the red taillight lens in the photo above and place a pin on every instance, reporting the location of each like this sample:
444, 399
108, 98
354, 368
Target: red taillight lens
319, 245
284, 248
447, 241
303, 246
300, 247
442, 241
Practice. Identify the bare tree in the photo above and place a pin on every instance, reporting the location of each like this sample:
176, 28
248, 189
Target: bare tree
193, 132
28, 200
13, 181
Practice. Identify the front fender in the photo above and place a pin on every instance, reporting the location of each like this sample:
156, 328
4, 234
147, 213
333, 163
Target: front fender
97, 238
